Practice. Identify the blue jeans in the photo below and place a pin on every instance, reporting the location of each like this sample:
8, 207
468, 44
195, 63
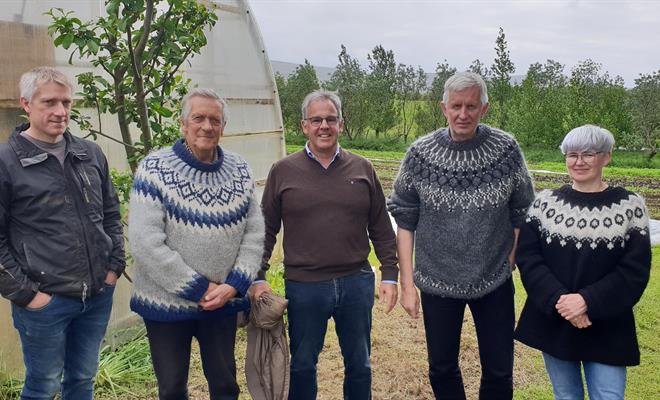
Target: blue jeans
61, 342
604, 382
348, 300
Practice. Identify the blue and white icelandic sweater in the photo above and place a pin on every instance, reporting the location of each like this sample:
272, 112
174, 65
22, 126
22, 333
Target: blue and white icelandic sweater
192, 223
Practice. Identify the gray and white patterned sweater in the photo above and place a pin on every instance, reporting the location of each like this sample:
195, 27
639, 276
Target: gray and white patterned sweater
462, 200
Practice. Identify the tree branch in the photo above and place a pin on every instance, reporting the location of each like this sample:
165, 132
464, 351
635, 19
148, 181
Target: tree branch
95, 132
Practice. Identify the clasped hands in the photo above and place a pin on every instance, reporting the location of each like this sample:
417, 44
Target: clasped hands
217, 296
573, 308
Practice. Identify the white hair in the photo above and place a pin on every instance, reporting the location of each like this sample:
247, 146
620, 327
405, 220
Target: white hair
465, 80
319, 95
588, 138
206, 93
34, 78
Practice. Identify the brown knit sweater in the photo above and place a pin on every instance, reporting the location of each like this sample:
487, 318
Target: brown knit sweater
329, 216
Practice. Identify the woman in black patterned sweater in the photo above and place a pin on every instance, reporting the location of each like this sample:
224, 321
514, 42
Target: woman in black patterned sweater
584, 257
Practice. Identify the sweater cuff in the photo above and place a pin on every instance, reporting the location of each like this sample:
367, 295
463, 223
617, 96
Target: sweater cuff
389, 273
238, 281
195, 289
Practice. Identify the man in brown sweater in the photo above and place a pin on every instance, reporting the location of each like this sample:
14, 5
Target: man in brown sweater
331, 204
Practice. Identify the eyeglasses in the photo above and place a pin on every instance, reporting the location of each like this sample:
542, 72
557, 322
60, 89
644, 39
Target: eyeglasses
587, 157
332, 120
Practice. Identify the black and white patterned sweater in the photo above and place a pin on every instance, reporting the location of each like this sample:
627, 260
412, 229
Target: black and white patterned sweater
462, 200
594, 244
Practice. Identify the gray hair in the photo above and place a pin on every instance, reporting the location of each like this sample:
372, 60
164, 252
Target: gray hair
34, 78
588, 138
319, 95
465, 80
208, 94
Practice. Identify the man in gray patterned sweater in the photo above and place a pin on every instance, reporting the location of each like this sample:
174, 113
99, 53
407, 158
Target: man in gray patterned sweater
459, 198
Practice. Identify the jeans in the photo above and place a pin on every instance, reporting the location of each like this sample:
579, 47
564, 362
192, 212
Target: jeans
604, 382
170, 343
61, 343
493, 317
349, 301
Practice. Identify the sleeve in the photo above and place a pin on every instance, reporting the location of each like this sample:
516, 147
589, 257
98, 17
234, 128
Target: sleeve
112, 221
404, 202
272, 211
523, 191
381, 233
542, 287
621, 288
14, 284
148, 242
250, 251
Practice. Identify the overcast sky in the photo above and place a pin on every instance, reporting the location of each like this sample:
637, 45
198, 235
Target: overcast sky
624, 36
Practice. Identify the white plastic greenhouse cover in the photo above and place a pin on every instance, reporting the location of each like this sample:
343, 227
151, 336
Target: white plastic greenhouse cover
234, 63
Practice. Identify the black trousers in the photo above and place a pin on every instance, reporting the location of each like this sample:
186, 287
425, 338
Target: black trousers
494, 321
170, 353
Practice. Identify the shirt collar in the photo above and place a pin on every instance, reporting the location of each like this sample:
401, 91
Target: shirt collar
313, 157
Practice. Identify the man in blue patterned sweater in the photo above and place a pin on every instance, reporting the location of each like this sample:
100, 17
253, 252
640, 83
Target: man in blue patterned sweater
459, 198
196, 234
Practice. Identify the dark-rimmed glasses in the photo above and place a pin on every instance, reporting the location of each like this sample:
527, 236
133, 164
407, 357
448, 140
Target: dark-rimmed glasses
587, 157
331, 120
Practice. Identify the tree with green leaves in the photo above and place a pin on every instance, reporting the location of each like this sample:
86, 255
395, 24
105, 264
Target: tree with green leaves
593, 97
644, 105
292, 92
537, 105
409, 86
500, 91
349, 80
140, 45
479, 68
380, 87
430, 117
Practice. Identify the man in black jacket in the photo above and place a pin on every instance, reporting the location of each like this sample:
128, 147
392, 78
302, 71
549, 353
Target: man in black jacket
61, 242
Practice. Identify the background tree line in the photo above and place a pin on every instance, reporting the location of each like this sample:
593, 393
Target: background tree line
389, 103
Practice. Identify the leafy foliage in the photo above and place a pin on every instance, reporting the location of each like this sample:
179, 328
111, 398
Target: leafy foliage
431, 117
644, 105
140, 45
380, 86
500, 90
409, 86
350, 82
293, 91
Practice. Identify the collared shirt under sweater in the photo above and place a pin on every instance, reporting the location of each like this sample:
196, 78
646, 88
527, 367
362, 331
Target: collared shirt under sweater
329, 216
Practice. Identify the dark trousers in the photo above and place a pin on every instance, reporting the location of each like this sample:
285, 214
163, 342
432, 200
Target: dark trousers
493, 317
170, 353
348, 300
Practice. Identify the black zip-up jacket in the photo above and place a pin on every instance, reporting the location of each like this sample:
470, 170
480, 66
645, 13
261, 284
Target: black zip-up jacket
60, 228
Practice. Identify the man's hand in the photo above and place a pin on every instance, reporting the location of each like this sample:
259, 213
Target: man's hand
571, 305
217, 296
257, 289
387, 294
410, 300
111, 278
41, 299
581, 321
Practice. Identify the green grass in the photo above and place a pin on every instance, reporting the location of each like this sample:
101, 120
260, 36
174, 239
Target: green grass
609, 171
